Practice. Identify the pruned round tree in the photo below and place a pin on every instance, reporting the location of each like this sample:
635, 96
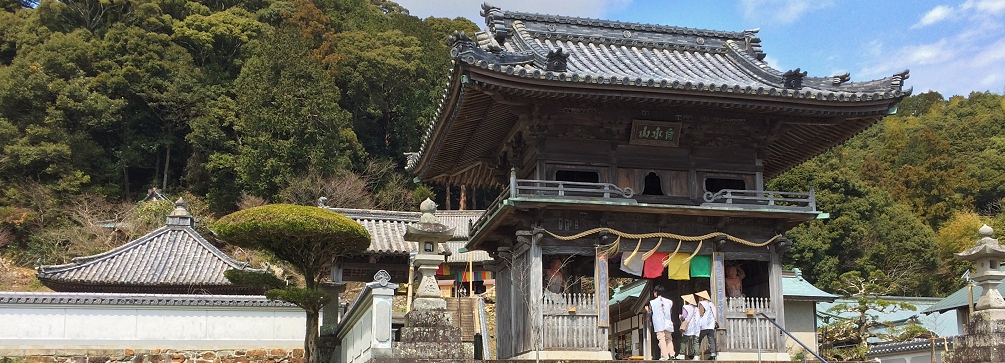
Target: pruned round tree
309, 238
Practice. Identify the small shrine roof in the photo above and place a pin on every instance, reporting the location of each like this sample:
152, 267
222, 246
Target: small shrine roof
173, 258
387, 231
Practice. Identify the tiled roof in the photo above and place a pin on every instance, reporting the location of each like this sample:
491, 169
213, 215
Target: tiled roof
171, 256
910, 346
574, 60
87, 298
959, 299
646, 55
794, 287
387, 229
623, 293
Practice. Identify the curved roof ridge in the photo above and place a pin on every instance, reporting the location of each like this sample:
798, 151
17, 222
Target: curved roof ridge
493, 13
86, 260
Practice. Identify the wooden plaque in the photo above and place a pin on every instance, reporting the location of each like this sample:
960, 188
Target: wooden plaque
655, 133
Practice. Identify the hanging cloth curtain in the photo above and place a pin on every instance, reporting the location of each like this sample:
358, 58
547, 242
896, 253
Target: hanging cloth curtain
654, 265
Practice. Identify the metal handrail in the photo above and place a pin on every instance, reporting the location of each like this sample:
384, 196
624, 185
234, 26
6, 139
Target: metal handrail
772, 321
560, 188
764, 197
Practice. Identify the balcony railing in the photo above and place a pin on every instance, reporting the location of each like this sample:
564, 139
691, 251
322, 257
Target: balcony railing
761, 198
530, 188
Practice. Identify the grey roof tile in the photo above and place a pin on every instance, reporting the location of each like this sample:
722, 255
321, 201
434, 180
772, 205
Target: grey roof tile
133, 299
643, 53
169, 256
387, 229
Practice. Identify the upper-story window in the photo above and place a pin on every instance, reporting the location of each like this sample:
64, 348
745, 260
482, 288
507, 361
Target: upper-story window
577, 176
653, 185
716, 184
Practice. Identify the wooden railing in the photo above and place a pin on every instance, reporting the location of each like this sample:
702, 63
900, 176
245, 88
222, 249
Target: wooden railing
743, 333
532, 188
745, 304
556, 188
761, 198
570, 322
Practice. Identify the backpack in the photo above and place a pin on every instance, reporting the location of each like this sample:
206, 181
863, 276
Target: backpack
685, 321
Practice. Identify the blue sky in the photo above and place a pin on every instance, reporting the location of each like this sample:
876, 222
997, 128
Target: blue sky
953, 47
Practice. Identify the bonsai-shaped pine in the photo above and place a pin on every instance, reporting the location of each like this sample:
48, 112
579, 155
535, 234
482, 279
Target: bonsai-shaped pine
860, 319
308, 238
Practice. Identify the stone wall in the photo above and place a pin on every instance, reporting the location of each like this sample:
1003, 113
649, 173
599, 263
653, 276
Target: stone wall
154, 355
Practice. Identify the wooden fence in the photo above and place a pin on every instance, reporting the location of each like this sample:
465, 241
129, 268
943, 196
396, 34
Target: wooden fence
570, 322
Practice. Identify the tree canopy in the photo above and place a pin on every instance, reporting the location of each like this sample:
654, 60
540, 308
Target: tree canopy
308, 238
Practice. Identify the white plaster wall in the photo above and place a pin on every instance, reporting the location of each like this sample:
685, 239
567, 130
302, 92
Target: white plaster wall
25, 326
800, 320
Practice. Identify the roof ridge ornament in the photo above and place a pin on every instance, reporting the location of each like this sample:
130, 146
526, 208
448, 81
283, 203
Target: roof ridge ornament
838, 79
898, 78
495, 21
557, 60
793, 79
180, 215
752, 43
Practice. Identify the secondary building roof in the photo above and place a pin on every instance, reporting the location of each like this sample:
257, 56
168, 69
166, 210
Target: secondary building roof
796, 288
171, 259
132, 299
959, 299
580, 61
387, 230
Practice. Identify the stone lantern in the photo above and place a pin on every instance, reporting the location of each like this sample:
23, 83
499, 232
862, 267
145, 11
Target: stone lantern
987, 255
428, 333
429, 233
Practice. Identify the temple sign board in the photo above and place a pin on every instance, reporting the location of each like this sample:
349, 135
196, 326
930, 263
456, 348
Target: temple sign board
655, 133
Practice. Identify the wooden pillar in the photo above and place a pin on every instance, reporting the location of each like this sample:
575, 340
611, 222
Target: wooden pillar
600, 281
536, 293
448, 197
775, 286
462, 204
504, 305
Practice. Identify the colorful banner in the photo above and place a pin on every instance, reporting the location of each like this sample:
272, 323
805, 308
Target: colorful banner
701, 266
478, 276
679, 268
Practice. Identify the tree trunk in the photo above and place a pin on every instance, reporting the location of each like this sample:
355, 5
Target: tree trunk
464, 198
311, 337
167, 162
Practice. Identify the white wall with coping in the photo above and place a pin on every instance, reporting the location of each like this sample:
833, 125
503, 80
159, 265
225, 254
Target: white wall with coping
137, 321
365, 330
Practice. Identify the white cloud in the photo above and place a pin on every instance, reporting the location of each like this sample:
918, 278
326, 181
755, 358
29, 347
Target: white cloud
774, 63
996, 7
470, 9
781, 11
937, 14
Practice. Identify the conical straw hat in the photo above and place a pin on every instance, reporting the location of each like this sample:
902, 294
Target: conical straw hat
689, 298
703, 294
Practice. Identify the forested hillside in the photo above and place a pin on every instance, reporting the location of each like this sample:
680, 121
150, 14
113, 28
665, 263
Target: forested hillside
234, 103
905, 195
223, 101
